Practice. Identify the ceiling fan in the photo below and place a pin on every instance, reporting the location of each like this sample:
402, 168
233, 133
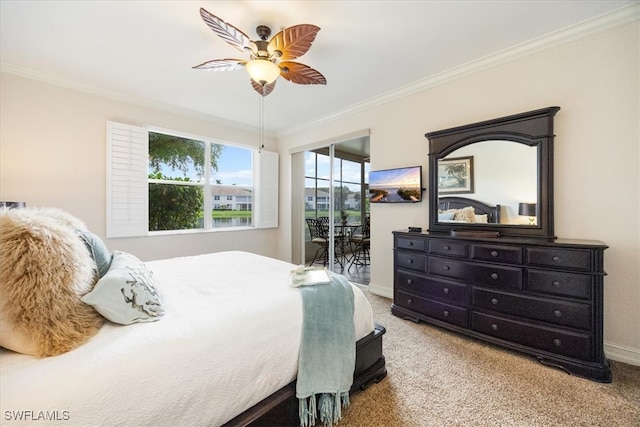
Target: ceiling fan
268, 59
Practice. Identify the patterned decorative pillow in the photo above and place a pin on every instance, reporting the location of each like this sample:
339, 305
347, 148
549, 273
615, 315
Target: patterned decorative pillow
127, 293
467, 214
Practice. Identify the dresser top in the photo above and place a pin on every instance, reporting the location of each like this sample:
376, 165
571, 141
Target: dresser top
529, 241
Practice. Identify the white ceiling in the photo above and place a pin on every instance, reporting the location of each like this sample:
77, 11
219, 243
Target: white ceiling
144, 50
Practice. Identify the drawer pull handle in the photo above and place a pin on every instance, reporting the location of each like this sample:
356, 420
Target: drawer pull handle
557, 313
446, 267
494, 326
445, 290
410, 261
447, 247
556, 283
409, 281
446, 313
494, 254
410, 243
494, 276
409, 301
555, 258
557, 342
494, 301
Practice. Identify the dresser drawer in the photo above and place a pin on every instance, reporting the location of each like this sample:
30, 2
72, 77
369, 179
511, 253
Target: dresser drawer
564, 313
449, 247
445, 312
577, 259
497, 253
412, 243
494, 276
411, 261
559, 283
426, 286
447, 267
558, 341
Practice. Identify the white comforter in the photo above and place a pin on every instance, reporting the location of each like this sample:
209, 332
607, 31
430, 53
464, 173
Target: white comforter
230, 338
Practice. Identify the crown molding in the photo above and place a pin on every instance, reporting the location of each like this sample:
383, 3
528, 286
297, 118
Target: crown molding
617, 18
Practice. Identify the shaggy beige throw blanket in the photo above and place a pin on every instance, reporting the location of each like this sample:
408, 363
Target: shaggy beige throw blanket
45, 269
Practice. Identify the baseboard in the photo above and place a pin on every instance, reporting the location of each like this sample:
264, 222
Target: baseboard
627, 355
383, 292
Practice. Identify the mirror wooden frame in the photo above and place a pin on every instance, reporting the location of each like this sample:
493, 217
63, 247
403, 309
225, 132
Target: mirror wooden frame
533, 128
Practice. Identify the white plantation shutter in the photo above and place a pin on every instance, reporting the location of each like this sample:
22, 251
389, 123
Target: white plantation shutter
266, 186
128, 184
127, 180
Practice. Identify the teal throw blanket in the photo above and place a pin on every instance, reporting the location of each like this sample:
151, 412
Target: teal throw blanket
327, 351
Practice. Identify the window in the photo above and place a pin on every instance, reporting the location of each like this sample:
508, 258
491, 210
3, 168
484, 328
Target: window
163, 181
184, 172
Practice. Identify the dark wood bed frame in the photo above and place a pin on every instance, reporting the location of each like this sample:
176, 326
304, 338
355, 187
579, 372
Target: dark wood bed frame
492, 212
281, 408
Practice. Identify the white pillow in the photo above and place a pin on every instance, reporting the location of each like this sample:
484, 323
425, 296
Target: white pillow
127, 293
482, 218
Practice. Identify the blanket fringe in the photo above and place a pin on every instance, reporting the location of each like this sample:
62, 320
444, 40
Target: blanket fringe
307, 411
329, 407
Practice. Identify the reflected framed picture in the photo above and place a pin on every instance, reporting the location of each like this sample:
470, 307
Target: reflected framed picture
455, 175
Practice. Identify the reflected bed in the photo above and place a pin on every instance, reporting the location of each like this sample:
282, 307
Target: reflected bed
450, 204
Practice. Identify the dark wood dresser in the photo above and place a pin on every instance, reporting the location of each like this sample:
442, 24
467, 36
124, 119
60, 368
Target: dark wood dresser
538, 296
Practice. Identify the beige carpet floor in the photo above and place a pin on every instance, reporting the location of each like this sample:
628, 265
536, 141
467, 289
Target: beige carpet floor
440, 378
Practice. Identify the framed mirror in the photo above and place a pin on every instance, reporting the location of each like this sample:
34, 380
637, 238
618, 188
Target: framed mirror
495, 176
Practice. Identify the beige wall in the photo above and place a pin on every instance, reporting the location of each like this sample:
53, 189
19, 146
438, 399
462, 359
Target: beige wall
595, 80
53, 153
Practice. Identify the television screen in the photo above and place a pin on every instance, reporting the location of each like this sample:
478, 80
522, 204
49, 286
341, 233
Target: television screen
401, 185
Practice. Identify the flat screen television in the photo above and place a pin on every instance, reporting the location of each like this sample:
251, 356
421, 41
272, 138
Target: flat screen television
400, 185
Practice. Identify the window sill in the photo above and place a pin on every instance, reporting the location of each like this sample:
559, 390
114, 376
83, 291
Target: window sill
199, 231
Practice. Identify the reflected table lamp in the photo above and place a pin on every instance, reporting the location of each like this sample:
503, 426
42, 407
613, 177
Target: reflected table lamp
528, 209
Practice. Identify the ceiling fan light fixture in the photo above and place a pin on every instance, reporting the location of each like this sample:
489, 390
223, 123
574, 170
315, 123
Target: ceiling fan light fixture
270, 58
263, 71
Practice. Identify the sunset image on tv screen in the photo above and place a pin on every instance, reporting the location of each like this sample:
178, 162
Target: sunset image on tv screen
396, 185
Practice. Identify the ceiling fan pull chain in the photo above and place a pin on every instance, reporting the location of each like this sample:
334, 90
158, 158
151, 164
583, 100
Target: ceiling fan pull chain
261, 124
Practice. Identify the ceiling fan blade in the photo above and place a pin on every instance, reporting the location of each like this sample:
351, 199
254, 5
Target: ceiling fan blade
294, 41
222, 65
263, 90
301, 74
227, 32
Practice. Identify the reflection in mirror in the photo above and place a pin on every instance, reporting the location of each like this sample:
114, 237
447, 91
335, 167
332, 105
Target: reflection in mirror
494, 172
480, 173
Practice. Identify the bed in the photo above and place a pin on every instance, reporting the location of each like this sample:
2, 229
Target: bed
447, 205
225, 352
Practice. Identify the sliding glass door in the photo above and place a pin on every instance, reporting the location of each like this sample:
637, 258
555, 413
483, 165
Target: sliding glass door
335, 185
